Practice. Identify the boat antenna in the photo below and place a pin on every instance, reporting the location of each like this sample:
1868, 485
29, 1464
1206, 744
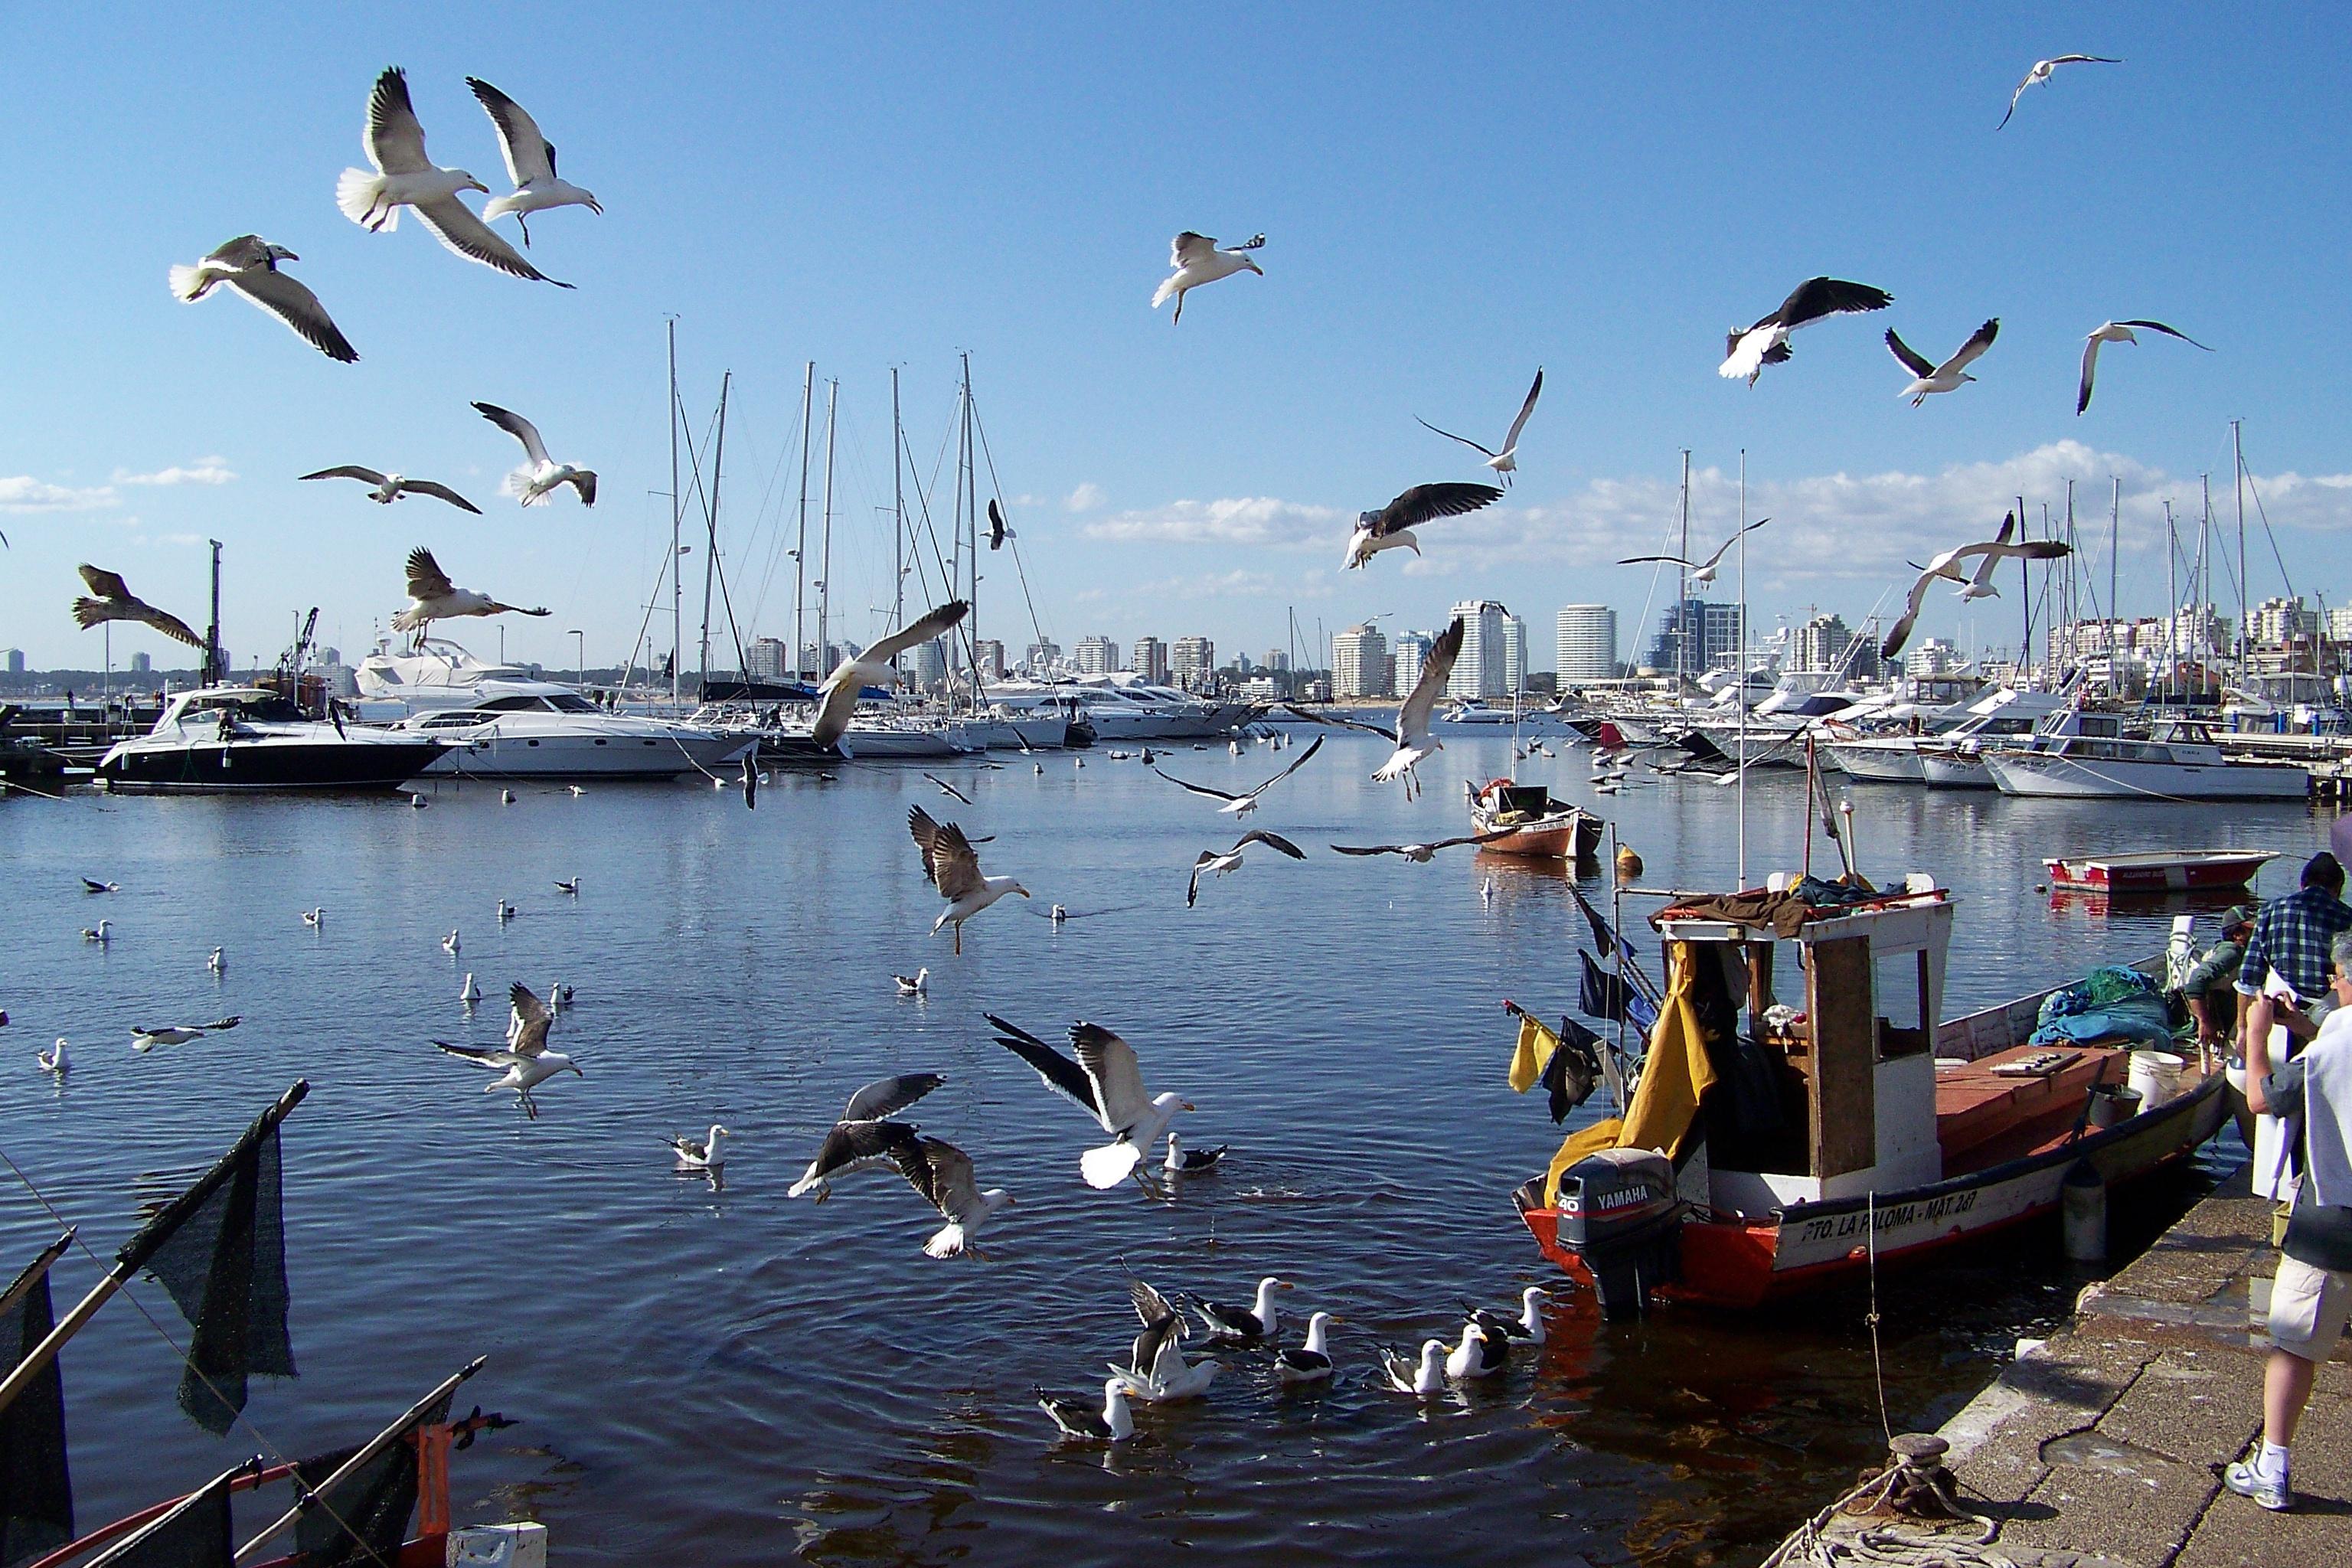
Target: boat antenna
2114, 611
2025, 602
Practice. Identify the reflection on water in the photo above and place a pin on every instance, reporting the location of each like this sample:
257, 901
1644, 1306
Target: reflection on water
719, 1369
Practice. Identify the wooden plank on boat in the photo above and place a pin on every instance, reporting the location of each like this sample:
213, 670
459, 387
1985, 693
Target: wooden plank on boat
1844, 1131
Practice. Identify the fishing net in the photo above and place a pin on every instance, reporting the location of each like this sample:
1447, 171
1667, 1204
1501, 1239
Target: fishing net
364, 1517
36, 1493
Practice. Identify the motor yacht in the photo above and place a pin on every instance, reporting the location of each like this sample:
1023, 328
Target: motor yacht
2074, 755
229, 739
558, 734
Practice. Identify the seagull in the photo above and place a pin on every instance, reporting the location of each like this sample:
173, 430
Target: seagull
405, 176
708, 1154
528, 1062
1928, 379
214, 962
1311, 1364
248, 264
1941, 567
116, 602
449, 944
530, 163
1183, 1162
1477, 1355
1106, 1082
506, 797
146, 1038
92, 885
1423, 854
1487, 891
100, 933
915, 985
1528, 1329
943, 1173
1981, 585
837, 699
1392, 525
1058, 914
947, 789
999, 530
572, 887
575, 791
1411, 737
1701, 572
541, 475
1426, 1378
54, 1060
2044, 69
863, 1137
390, 488
953, 868
1163, 1327
433, 597
1077, 1419
418, 802
312, 918
1243, 804
1746, 351
1230, 1325
506, 911
559, 996
2119, 333
1197, 260
751, 780
1220, 861
1507, 461
469, 993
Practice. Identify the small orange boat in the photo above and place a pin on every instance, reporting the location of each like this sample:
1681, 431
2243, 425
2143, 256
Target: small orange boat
1539, 825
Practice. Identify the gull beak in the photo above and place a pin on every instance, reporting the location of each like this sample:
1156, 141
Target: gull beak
1253, 266
1188, 1105
1284, 1285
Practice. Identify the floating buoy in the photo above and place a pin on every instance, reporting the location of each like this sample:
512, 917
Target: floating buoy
1629, 864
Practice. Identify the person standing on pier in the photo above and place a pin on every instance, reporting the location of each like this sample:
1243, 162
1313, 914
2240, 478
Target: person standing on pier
2288, 949
2311, 1299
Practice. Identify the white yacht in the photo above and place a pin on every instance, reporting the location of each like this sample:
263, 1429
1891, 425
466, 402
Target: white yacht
234, 739
1122, 707
2076, 756
1955, 760
558, 734
396, 682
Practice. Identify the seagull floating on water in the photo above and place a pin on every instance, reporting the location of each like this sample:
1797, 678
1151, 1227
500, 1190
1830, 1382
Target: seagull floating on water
1242, 805
863, 1137
2044, 69
1148, 1371
147, 1036
506, 797
1106, 1082
526, 1058
449, 944
54, 1061
469, 993
405, 177
1479, 1355
1701, 572
216, 962
2118, 332
1528, 1329
506, 911
116, 602
1232, 1325
530, 163
838, 697
915, 985
1747, 350
1424, 1379
539, 476
575, 790
1927, 379
102, 934
433, 597
1391, 527
1994, 551
572, 887
1197, 260
314, 917
1183, 1162
952, 867
1077, 1419
248, 264
1507, 461
1411, 737
92, 885
389, 488
705, 1154
943, 1173
1220, 861
1311, 1362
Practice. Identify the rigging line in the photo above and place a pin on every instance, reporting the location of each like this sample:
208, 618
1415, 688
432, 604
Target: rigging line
776, 555
124, 1291
997, 485
2255, 490
710, 530
1878, 1363
651, 601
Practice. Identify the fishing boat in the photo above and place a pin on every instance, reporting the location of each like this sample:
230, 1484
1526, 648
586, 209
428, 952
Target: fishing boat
1835, 1139
236, 739
2159, 870
1539, 825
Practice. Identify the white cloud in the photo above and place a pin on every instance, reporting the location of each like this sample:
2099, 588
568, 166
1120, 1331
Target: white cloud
21, 493
202, 471
1247, 519
1085, 497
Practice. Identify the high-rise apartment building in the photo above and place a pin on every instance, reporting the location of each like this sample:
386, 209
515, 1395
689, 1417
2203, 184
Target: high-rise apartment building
1360, 662
1587, 643
1148, 658
1695, 636
1192, 660
924, 664
1406, 658
1042, 657
1515, 653
988, 657
1096, 656
765, 659
1479, 670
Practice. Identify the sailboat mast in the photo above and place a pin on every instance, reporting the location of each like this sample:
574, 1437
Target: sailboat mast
2245, 632
676, 521
710, 525
898, 511
1741, 677
971, 527
2114, 611
1682, 587
2025, 600
825, 562
800, 546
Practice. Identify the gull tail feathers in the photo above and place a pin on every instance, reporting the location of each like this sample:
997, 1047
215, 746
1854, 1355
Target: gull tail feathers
1166, 291
1109, 1166
805, 1186
498, 207
948, 1243
189, 284
518, 484
360, 193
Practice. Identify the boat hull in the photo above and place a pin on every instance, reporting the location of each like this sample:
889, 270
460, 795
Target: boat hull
210, 767
2040, 775
1877, 764
616, 756
2157, 873
1954, 769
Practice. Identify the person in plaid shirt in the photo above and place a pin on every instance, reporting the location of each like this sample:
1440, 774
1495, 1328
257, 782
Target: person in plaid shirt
2291, 936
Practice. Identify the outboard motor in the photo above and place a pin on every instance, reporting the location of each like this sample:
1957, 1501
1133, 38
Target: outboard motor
1618, 1212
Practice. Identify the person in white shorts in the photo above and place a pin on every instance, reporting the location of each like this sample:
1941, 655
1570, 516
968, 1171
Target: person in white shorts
2311, 1299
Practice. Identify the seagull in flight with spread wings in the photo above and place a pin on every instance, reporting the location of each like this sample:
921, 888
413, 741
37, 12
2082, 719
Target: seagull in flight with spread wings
1423, 854
2044, 69
1197, 260
405, 177
1217, 862
1929, 379
389, 488
872, 666
952, 867
1507, 461
1700, 571
248, 264
1993, 550
1747, 350
1411, 737
542, 475
433, 597
1392, 525
1246, 802
999, 530
530, 163
2119, 333
864, 1136
526, 1058
1103, 1078
116, 602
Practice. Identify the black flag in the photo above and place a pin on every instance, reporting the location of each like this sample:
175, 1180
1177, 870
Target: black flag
193, 1535
1602, 937
1600, 994
1573, 1070
36, 1493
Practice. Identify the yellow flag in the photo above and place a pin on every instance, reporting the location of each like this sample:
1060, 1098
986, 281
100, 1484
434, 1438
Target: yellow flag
1675, 1073
1532, 1055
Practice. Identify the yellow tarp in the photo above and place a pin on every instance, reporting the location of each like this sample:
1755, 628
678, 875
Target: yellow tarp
1533, 1055
1676, 1073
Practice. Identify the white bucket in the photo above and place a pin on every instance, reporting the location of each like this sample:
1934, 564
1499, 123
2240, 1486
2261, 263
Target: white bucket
2156, 1074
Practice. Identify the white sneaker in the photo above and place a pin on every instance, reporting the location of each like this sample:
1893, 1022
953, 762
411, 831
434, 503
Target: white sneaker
2247, 1482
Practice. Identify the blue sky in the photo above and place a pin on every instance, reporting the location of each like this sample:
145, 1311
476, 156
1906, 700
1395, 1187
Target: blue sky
1450, 197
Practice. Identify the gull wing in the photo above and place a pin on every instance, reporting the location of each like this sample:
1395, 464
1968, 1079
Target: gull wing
584, 481
1451, 435
2089, 368
1207, 858
943, 1173
949, 787
1199, 789
1669, 560
1314, 718
888, 1096
1061, 1075
998, 530
948, 859
348, 471
1728, 543
838, 706
1978, 341
453, 222
530, 1019
528, 155
484, 1056
440, 492
1819, 297
1274, 841
245, 250
104, 583
1993, 559
520, 428
426, 578
1913, 361
932, 625
1118, 1078
170, 625
1413, 718
1526, 409
394, 137
854, 1143
1188, 247
1300, 762
1422, 504
2082, 59
2167, 331
290, 300
1368, 848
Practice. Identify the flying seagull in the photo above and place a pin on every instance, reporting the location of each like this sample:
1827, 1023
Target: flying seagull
1156, 1369
1928, 379
1942, 566
116, 602
1103, 1078
999, 530
526, 1058
405, 176
541, 475
943, 1173
838, 697
953, 865
1411, 736
248, 264
947, 789
2044, 69
1197, 260
530, 163
147, 1036
1507, 461
1423, 854
1243, 804
2119, 333
1746, 351
864, 1137
92, 885
1700, 571
1220, 861
1392, 525
390, 488
433, 597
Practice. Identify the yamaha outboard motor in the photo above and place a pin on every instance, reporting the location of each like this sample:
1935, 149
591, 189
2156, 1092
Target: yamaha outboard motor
1618, 1212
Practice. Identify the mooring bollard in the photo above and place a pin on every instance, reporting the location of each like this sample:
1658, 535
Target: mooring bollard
2083, 1202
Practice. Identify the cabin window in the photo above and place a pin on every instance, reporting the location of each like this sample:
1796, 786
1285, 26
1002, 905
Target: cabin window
1900, 985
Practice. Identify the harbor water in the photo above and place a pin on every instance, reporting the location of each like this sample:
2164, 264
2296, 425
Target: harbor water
729, 1377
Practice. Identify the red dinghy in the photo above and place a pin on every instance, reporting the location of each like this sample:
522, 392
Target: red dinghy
2159, 870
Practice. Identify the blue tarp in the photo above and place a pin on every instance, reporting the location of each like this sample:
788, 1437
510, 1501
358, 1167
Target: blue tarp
2105, 1004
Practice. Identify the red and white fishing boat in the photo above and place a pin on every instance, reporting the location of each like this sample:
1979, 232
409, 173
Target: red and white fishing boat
1539, 825
2158, 870
1845, 1133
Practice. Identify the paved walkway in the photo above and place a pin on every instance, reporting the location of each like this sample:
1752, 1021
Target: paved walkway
2107, 1442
